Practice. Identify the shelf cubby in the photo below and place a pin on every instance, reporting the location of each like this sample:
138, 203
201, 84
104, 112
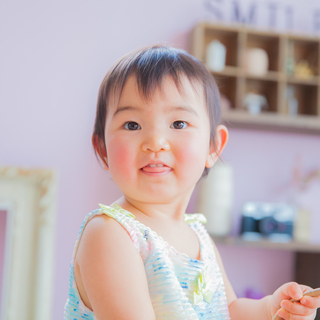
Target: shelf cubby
228, 87
270, 44
227, 37
307, 96
265, 87
306, 50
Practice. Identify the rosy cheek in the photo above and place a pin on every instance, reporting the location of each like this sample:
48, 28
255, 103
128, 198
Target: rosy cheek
190, 156
119, 155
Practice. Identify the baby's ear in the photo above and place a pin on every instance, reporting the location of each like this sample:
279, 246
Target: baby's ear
222, 136
100, 150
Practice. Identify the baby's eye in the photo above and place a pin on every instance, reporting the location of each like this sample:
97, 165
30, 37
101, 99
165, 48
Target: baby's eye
179, 124
132, 126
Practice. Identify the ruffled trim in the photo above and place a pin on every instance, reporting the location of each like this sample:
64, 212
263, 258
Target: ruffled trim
111, 212
194, 217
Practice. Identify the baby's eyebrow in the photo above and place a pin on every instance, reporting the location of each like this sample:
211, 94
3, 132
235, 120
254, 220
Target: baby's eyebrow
167, 109
182, 108
125, 108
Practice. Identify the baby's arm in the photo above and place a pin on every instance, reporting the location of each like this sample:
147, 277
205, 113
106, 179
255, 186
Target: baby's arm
241, 309
112, 272
266, 308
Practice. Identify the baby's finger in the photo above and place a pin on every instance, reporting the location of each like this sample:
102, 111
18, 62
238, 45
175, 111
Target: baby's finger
284, 314
310, 302
293, 290
296, 308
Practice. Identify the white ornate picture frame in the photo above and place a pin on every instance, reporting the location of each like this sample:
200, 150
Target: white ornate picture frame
28, 196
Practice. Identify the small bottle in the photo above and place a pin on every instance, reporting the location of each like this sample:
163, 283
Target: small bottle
290, 64
292, 102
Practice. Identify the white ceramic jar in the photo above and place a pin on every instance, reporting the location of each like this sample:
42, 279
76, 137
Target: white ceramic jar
216, 55
257, 61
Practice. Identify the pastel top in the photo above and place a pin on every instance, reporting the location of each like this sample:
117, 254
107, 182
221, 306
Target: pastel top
180, 288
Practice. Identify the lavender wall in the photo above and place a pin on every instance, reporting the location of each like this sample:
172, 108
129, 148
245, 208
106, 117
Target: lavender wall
53, 58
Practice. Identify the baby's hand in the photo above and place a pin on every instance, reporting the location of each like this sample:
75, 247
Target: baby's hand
304, 308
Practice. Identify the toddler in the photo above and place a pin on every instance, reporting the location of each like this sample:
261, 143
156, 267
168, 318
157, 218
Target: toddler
158, 132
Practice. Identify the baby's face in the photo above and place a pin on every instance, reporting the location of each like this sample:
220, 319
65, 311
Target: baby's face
170, 130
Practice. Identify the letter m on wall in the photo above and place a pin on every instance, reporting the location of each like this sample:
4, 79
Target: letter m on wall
239, 16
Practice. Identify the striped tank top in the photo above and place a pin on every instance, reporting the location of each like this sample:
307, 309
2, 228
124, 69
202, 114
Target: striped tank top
180, 287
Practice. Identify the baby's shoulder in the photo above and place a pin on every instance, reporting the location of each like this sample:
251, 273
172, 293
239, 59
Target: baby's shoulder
104, 230
107, 219
108, 263
102, 222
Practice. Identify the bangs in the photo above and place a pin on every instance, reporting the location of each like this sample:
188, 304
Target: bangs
150, 66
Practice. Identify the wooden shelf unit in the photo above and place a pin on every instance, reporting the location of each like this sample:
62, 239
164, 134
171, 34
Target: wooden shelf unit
234, 81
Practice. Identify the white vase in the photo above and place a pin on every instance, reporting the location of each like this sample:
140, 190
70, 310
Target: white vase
216, 55
215, 199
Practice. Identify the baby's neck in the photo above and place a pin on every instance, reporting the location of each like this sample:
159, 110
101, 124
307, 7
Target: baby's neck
172, 213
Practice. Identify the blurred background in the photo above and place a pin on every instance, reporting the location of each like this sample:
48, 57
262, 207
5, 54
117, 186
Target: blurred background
54, 56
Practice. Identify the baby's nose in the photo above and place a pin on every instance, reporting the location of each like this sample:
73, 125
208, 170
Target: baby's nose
155, 143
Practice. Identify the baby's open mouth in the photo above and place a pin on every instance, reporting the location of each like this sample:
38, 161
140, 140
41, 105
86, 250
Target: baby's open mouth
156, 168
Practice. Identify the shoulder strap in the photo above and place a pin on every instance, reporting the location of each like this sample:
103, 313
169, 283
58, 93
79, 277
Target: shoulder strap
191, 218
113, 211
124, 217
